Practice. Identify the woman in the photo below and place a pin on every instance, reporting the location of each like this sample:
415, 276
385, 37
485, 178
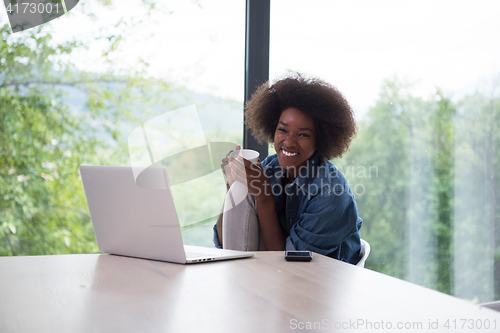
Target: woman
297, 199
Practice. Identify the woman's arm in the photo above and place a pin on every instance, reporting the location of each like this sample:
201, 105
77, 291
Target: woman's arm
252, 175
269, 223
327, 222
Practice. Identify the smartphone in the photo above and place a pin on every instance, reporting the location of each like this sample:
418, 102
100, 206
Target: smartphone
298, 255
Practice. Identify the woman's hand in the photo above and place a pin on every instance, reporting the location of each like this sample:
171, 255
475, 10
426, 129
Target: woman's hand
253, 177
226, 169
250, 174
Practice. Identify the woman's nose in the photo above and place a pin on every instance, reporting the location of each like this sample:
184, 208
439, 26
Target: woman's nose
290, 140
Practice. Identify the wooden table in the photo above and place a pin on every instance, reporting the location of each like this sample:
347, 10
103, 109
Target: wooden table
107, 293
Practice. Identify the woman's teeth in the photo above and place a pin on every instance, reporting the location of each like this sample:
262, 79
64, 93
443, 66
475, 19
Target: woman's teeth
287, 153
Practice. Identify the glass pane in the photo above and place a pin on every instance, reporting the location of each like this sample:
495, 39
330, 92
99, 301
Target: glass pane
65, 105
423, 80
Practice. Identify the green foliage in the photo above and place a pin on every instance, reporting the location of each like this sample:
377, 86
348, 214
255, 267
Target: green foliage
44, 138
42, 141
425, 176
377, 169
477, 214
443, 139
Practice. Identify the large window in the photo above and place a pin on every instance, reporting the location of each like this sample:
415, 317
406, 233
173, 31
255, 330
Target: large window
63, 105
199, 47
423, 80
421, 76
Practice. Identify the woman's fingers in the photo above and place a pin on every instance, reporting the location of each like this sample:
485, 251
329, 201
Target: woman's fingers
245, 171
240, 169
237, 167
241, 179
229, 153
226, 166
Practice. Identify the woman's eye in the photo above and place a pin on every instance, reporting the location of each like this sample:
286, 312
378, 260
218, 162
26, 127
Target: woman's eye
282, 130
304, 135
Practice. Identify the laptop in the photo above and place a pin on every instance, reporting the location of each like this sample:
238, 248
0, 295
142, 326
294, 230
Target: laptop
137, 217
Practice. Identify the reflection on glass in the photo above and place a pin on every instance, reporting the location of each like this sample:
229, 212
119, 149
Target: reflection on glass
176, 141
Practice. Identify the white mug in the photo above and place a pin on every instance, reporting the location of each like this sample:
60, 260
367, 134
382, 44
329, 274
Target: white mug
247, 154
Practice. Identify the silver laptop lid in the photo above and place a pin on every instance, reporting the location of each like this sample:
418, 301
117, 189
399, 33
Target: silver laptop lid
132, 220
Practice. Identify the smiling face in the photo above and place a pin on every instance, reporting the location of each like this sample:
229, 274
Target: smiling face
294, 140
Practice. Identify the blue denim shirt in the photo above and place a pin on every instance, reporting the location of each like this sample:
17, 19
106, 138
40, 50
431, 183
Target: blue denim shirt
321, 212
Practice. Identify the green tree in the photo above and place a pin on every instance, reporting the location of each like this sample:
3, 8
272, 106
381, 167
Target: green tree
377, 170
425, 176
443, 140
43, 139
476, 208
41, 143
